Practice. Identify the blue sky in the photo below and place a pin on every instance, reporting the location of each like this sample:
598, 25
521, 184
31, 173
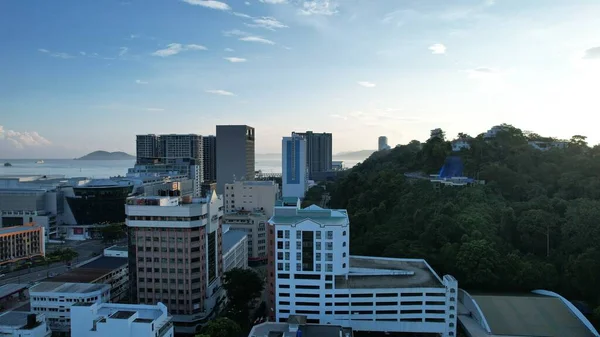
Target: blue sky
77, 76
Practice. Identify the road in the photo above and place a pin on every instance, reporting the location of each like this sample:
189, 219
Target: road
86, 250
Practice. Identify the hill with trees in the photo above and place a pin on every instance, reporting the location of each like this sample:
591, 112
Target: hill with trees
533, 225
105, 155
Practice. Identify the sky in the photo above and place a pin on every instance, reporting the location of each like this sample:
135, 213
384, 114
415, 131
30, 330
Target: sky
79, 75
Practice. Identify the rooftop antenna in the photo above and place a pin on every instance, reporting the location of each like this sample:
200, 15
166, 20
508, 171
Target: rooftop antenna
234, 178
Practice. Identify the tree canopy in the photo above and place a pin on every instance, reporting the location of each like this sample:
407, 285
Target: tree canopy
221, 327
534, 224
242, 286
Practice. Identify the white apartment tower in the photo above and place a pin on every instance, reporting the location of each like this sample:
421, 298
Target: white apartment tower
311, 273
294, 170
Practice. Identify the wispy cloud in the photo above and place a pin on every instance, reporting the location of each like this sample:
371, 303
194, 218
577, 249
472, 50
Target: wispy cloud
220, 92
82, 53
235, 59
140, 82
437, 48
247, 3
242, 15
228, 50
209, 4
55, 54
123, 51
176, 48
318, 7
155, 109
235, 32
366, 84
266, 22
592, 53
22, 139
274, 2
256, 39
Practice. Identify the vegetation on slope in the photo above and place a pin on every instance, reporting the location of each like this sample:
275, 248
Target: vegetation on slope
534, 224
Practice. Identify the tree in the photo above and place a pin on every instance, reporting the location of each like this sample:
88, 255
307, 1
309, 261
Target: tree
67, 255
242, 286
221, 327
112, 232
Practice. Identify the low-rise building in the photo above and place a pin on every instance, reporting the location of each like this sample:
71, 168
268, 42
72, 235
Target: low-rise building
116, 251
54, 300
297, 326
235, 249
460, 143
21, 242
23, 324
103, 270
254, 224
120, 320
251, 196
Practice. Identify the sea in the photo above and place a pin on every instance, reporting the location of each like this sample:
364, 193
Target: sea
100, 169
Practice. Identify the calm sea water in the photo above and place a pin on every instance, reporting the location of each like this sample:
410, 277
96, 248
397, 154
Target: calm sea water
109, 168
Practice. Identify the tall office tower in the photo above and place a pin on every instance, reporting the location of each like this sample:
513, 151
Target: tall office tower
319, 152
235, 154
147, 149
167, 154
294, 172
175, 254
383, 143
311, 272
210, 158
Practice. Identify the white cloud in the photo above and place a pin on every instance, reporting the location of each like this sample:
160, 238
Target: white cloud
20, 140
235, 32
54, 54
123, 51
141, 82
247, 3
274, 2
267, 22
592, 53
82, 53
235, 59
256, 39
228, 50
319, 7
220, 92
437, 48
209, 4
242, 15
176, 48
366, 84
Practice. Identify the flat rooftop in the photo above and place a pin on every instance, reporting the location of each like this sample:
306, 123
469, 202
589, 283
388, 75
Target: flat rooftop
11, 288
290, 215
17, 229
231, 238
66, 287
376, 272
92, 271
122, 314
145, 313
14, 319
308, 330
531, 316
118, 248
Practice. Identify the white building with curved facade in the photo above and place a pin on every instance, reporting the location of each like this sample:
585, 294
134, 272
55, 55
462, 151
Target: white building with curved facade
311, 273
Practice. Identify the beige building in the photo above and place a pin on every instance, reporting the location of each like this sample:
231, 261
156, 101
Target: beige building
21, 242
254, 224
251, 196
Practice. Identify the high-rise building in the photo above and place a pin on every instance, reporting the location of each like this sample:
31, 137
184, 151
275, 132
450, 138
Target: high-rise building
319, 152
235, 154
170, 154
383, 143
210, 158
311, 272
175, 254
294, 172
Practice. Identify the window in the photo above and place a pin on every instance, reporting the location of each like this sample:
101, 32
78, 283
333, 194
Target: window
279, 255
287, 234
298, 256
280, 245
287, 245
329, 267
318, 235
329, 235
329, 257
318, 256
287, 256
298, 244
298, 235
329, 246
343, 265
344, 233
344, 244
279, 266
287, 266
318, 245
280, 234
318, 267
298, 267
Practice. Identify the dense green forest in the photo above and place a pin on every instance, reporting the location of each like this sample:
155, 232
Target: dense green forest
534, 224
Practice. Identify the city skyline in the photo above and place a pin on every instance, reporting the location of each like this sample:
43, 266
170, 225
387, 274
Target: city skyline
90, 76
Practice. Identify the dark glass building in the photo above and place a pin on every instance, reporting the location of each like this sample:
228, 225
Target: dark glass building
99, 203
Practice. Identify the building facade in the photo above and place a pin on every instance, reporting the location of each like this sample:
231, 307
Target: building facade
54, 299
311, 272
254, 224
210, 158
235, 249
175, 254
294, 171
21, 242
251, 196
120, 320
235, 154
319, 151
382, 143
23, 324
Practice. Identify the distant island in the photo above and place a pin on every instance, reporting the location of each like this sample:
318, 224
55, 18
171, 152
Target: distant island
105, 155
362, 154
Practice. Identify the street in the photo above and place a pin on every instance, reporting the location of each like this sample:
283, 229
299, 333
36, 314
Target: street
85, 249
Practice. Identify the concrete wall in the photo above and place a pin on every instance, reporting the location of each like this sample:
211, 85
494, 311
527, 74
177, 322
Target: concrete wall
235, 154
